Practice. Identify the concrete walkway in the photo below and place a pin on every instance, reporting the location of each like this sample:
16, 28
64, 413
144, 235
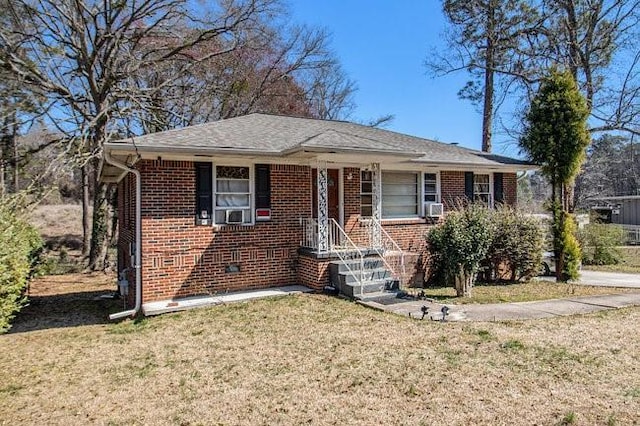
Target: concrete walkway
173, 305
609, 279
508, 311
604, 279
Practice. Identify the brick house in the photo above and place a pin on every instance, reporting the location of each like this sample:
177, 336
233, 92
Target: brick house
262, 200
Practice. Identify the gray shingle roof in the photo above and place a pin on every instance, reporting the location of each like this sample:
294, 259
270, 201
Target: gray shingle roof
281, 135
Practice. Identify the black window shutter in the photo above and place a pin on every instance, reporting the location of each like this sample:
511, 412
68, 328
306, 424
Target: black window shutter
468, 185
204, 195
498, 189
263, 186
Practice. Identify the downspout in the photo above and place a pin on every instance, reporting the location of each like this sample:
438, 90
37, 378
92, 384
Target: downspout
138, 258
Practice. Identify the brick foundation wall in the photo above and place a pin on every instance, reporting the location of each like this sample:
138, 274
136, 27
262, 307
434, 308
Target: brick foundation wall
312, 272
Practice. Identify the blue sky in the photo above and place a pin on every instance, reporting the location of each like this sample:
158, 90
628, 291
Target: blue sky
382, 45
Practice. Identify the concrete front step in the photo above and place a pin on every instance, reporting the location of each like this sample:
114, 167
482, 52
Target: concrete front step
356, 276
358, 291
370, 262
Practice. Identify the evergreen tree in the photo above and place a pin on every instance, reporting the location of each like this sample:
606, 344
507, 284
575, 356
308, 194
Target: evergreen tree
556, 137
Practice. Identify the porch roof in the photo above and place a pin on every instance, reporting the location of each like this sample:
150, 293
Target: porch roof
284, 136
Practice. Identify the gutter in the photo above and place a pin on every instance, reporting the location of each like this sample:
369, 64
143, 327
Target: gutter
138, 258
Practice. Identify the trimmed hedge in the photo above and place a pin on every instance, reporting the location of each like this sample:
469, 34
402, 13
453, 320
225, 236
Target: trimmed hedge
476, 238
20, 249
517, 245
459, 245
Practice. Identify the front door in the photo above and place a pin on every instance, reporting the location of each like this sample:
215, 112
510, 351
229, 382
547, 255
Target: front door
333, 193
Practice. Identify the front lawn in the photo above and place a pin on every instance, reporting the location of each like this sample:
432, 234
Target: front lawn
630, 262
320, 360
539, 289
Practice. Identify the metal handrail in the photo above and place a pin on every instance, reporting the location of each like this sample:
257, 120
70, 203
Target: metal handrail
383, 251
343, 253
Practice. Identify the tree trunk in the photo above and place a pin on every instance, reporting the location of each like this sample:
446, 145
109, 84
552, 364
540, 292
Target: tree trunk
14, 156
571, 23
99, 235
464, 283
113, 209
100, 224
2, 171
85, 211
487, 113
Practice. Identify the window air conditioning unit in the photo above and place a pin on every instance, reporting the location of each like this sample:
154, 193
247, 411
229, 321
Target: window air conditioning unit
234, 217
433, 209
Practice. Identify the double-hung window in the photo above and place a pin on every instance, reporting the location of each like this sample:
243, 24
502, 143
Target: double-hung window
431, 190
233, 196
482, 188
227, 195
366, 193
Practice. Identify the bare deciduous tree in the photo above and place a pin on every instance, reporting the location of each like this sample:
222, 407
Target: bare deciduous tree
82, 54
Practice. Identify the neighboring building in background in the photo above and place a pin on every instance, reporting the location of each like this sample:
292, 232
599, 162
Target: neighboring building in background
623, 210
261, 200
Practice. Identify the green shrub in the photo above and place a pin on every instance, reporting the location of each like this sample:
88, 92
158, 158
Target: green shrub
20, 249
600, 244
567, 242
459, 245
517, 244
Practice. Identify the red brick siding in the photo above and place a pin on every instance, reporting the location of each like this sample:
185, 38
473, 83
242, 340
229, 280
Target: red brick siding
510, 188
312, 272
181, 259
410, 234
452, 189
126, 230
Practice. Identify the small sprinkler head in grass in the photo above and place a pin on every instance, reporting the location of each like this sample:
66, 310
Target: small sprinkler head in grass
445, 312
424, 310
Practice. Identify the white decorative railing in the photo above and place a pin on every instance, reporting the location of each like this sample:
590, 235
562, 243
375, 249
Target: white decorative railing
309, 232
341, 245
389, 251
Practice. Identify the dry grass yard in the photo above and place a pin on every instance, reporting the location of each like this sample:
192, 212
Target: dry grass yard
518, 292
310, 359
630, 261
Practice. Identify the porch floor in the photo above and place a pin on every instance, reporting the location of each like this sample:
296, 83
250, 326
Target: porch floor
181, 304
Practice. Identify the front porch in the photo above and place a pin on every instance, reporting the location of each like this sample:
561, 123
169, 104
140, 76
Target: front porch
346, 250
367, 263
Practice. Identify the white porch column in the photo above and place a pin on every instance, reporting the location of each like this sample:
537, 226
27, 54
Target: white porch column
376, 195
323, 208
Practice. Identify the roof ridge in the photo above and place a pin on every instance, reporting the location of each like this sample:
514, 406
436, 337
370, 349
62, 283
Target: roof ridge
364, 137
302, 117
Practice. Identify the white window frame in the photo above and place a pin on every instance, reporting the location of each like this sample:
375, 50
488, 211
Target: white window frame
366, 193
490, 193
419, 195
252, 194
438, 187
